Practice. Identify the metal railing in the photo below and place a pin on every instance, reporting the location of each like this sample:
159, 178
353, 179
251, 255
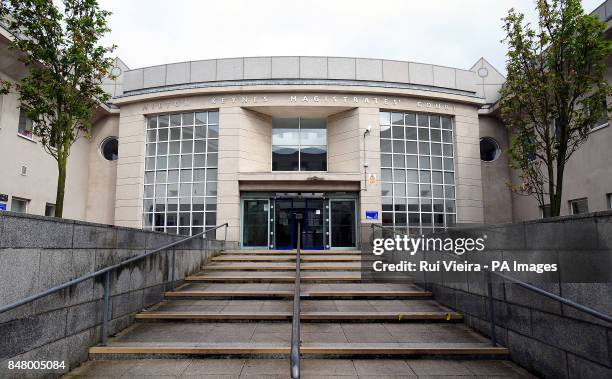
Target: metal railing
106, 272
489, 278
295, 325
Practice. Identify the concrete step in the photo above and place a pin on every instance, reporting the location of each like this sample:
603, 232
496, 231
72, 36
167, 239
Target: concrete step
310, 368
304, 316
286, 258
282, 266
274, 276
247, 252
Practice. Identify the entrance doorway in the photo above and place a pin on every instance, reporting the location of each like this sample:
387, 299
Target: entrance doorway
328, 221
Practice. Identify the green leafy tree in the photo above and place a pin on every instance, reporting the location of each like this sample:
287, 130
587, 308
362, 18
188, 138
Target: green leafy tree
554, 93
59, 44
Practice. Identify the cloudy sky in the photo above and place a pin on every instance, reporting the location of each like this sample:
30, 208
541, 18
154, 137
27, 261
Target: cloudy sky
445, 32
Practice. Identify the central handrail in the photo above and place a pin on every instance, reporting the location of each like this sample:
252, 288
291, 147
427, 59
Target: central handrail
106, 272
295, 327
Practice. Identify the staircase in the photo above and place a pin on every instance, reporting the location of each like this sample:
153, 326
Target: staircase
239, 307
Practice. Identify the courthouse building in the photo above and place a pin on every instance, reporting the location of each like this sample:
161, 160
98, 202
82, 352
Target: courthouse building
260, 142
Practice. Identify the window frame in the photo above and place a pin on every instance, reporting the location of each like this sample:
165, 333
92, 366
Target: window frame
299, 147
609, 200
542, 211
604, 124
21, 199
571, 202
30, 134
52, 206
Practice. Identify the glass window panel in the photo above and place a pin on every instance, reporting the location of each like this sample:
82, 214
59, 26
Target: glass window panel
398, 132
175, 133
425, 190
185, 204
438, 219
449, 192
186, 160
150, 163
400, 219
211, 160
175, 119
411, 161
449, 178
161, 176
313, 158
399, 190
424, 148
411, 147
184, 219
199, 131
425, 205
149, 177
160, 190
198, 189
173, 161
197, 203
448, 164
434, 121
151, 135
171, 219
422, 120
213, 131
285, 131
450, 206
400, 204
387, 218
213, 117
438, 191
414, 218
185, 189
199, 147
211, 218
425, 176
163, 121
438, 205
410, 119
199, 160
450, 220
212, 146
199, 175
385, 131
161, 163
447, 150
197, 218
187, 132
411, 133
436, 149
398, 161
285, 158
436, 177
175, 147
447, 136
211, 174
435, 135
162, 148
313, 131
211, 203
426, 219
148, 191
424, 162
387, 204
211, 189
200, 118
436, 163
387, 189
413, 176
423, 134
384, 118
386, 175
446, 123
187, 147
148, 205
412, 190
385, 160
152, 122
173, 189
398, 146
385, 145
399, 175
185, 176
151, 149
187, 118
397, 118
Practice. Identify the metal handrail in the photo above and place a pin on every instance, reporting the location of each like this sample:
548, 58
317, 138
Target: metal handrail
106, 272
570, 303
295, 326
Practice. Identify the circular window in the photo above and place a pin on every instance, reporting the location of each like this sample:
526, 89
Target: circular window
110, 149
489, 149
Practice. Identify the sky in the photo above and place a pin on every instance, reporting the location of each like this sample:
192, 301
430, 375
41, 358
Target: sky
452, 33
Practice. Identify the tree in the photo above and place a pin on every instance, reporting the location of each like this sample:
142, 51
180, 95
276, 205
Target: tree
554, 93
66, 64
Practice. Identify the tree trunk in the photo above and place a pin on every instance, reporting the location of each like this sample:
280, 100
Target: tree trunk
61, 184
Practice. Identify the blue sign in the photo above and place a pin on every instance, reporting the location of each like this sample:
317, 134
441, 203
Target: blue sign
2, 207
371, 215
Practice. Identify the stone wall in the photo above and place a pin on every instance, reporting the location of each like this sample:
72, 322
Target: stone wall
37, 253
544, 336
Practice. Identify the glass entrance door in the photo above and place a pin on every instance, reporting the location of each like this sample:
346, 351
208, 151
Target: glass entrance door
312, 221
255, 223
313, 230
342, 223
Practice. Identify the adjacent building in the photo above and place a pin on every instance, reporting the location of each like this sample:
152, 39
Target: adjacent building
264, 142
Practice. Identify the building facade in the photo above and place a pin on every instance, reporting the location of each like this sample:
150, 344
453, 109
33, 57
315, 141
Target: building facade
264, 142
